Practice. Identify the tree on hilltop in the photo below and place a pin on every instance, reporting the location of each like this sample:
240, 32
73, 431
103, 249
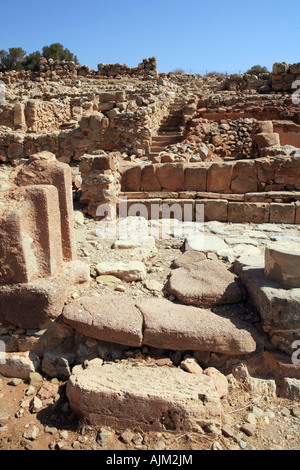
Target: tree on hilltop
11, 60
56, 51
32, 61
257, 69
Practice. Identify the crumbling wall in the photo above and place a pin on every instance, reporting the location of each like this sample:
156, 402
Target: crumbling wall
281, 79
54, 70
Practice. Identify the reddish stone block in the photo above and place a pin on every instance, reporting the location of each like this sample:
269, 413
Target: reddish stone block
131, 179
149, 180
171, 176
240, 212
195, 178
219, 178
282, 213
39, 171
244, 178
30, 236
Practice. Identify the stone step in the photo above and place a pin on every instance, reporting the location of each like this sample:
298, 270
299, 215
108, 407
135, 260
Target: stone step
164, 138
158, 323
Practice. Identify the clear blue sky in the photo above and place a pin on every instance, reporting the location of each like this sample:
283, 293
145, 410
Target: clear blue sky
196, 35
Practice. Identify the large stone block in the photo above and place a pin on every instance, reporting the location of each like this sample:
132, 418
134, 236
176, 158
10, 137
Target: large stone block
215, 209
149, 180
219, 178
131, 179
144, 398
282, 264
244, 178
195, 178
181, 327
108, 318
278, 307
205, 283
239, 212
35, 304
30, 236
267, 140
171, 176
39, 171
282, 213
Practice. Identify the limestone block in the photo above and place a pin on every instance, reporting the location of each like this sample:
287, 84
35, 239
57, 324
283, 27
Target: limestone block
219, 178
282, 213
171, 176
195, 178
40, 171
36, 304
183, 327
108, 318
141, 398
244, 178
239, 212
282, 264
30, 236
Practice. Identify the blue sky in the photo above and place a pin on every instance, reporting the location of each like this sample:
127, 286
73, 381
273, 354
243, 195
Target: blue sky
195, 35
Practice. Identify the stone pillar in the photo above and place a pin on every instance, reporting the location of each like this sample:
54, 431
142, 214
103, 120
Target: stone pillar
43, 168
30, 236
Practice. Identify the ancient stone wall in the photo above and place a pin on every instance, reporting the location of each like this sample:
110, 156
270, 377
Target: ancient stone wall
281, 79
54, 70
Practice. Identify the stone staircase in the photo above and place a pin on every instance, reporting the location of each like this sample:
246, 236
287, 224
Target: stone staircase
170, 130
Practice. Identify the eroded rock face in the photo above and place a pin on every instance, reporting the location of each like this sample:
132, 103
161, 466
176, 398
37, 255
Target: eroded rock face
205, 283
145, 398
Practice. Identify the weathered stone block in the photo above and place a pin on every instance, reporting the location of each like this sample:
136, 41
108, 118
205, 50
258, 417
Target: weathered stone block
171, 176
219, 178
282, 213
267, 140
30, 236
282, 264
239, 212
107, 318
124, 397
183, 327
215, 209
131, 179
195, 178
149, 180
49, 172
36, 304
244, 178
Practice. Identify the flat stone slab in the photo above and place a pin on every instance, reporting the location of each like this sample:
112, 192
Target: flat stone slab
127, 270
108, 318
144, 398
205, 283
130, 243
282, 264
204, 243
181, 328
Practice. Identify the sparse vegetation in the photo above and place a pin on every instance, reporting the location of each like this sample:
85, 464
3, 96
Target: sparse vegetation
257, 69
16, 59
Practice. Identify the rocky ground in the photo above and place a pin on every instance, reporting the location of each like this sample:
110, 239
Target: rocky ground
36, 415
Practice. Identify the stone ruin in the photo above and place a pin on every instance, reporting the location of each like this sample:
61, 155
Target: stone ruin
225, 145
